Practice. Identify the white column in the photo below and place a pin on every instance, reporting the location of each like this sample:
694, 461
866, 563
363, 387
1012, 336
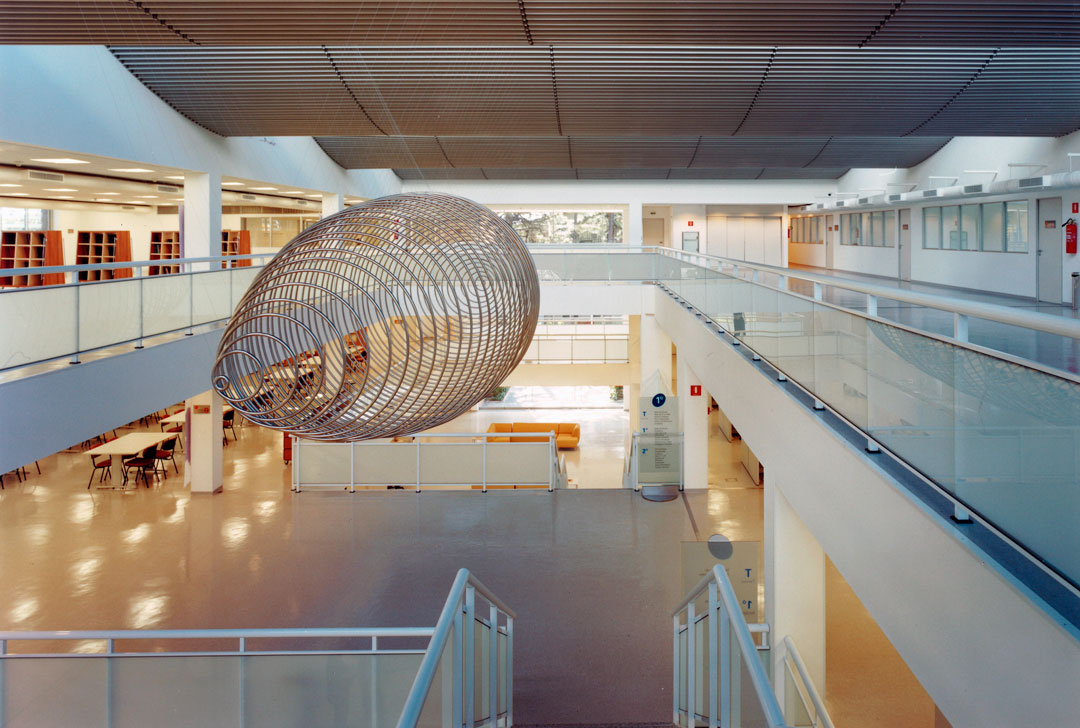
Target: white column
203, 446
655, 349
202, 215
332, 203
632, 389
794, 586
633, 224
693, 410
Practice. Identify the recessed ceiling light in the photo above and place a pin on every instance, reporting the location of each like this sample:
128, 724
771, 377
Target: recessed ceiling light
59, 160
108, 193
17, 194
147, 197
174, 176
312, 195
8, 184
265, 189
60, 189
129, 169
294, 192
61, 197
137, 202
232, 184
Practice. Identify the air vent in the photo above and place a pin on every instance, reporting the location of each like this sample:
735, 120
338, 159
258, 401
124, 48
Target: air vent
929, 193
127, 207
1030, 182
44, 176
864, 200
839, 203
302, 202
894, 198
819, 206
247, 197
167, 188
972, 189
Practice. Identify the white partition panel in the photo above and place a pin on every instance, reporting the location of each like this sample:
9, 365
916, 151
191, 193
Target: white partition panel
451, 464
384, 464
519, 463
22, 337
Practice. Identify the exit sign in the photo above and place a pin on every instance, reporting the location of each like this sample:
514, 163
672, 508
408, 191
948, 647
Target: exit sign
690, 223
1076, 207
695, 390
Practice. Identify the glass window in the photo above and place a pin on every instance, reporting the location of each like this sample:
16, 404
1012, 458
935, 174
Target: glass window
855, 234
1016, 226
931, 227
571, 226
865, 230
20, 218
969, 227
816, 238
993, 226
877, 229
950, 227
890, 228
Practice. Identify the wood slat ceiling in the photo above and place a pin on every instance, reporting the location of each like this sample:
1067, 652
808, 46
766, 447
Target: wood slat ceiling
569, 153
597, 91
982, 23
657, 173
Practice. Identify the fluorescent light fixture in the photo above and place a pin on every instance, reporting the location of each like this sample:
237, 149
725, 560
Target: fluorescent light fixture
136, 202
8, 184
108, 193
265, 189
312, 195
18, 194
147, 197
60, 189
59, 160
232, 184
174, 176
61, 197
129, 169
294, 192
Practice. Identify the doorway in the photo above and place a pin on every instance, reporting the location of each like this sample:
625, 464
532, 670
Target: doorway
652, 230
905, 244
830, 240
1049, 250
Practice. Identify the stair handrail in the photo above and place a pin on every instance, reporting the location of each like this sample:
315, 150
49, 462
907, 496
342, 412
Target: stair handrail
791, 654
457, 616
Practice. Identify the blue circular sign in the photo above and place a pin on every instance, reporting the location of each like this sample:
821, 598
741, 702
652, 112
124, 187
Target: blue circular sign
658, 400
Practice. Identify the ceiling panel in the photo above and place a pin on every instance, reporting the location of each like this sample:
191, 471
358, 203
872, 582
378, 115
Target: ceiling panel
980, 23
877, 151
655, 173
1025, 92
598, 152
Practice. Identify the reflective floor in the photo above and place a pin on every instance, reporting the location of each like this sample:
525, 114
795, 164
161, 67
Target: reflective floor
1047, 349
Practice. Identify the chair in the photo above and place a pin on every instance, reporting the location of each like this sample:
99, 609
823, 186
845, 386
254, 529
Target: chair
227, 423
104, 465
146, 460
166, 452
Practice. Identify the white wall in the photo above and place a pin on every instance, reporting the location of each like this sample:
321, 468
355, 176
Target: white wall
806, 254
755, 239
688, 218
88, 102
964, 630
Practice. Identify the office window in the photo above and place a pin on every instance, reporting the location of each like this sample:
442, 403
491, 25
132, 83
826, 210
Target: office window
561, 227
890, 228
931, 227
854, 229
993, 227
950, 227
969, 227
1016, 226
22, 218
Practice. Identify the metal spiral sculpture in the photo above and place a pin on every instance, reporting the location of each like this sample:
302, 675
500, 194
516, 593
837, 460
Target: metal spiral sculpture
386, 319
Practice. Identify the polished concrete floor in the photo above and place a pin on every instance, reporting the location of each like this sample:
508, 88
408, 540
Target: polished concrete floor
1048, 349
592, 573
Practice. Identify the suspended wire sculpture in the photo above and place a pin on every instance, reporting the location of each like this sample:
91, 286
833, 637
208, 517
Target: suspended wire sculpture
387, 318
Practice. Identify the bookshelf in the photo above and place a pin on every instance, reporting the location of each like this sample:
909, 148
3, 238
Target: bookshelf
25, 250
236, 242
164, 245
112, 246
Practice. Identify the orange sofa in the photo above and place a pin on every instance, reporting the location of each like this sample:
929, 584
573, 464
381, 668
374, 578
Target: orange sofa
567, 434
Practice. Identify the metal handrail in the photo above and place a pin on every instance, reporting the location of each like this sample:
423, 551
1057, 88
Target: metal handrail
116, 265
722, 597
791, 651
450, 618
1058, 325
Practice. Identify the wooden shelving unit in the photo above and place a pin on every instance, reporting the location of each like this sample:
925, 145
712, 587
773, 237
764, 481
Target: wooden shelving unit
164, 245
23, 251
236, 242
112, 246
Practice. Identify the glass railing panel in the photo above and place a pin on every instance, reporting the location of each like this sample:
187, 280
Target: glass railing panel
481, 670
701, 666
211, 296
55, 691
763, 322
166, 303
587, 267
840, 363
796, 711
746, 706
795, 342
108, 313
320, 464
550, 266
631, 266
174, 691
437, 710
241, 279
504, 676
23, 339
327, 690
682, 658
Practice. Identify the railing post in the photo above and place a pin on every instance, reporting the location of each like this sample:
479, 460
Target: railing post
296, 463
109, 683
817, 291
242, 703
725, 669
691, 658
551, 461
483, 463
871, 305
78, 343
675, 670
960, 327
459, 645
493, 666
142, 310
3, 686
470, 657
509, 670
352, 467
417, 439
713, 654
191, 302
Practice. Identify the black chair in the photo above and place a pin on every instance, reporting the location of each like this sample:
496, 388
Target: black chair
227, 424
146, 460
166, 453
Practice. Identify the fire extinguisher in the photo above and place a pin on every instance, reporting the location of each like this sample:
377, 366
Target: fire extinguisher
1070, 236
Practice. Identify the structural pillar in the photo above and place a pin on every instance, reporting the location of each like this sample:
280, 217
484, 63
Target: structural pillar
655, 349
201, 221
794, 587
203, 446
694, 412
634, 235
332, 203
632, 389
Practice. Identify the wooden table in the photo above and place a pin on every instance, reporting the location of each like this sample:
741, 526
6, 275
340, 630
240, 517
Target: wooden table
132, 443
